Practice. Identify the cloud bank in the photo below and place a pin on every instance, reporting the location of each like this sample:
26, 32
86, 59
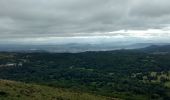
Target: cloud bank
45, 19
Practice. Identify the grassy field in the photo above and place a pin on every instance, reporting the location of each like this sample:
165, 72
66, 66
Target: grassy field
10, 90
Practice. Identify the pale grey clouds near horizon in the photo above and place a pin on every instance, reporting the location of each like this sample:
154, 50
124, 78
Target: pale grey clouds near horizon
46, 19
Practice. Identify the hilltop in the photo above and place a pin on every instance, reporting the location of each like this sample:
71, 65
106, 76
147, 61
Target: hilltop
11, 90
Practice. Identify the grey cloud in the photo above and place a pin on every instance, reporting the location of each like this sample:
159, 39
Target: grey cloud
151, 8
44, 18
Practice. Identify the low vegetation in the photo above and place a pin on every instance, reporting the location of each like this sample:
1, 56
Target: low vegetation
10, 90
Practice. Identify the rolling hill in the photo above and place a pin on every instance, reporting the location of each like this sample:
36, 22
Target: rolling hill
137, 74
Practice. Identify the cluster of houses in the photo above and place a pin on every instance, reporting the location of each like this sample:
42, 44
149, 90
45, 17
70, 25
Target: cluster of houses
19, 64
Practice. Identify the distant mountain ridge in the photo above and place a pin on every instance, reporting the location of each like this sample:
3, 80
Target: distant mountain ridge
157, 48
75, 48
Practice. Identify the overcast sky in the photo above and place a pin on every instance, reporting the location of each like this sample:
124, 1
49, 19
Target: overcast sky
64, 21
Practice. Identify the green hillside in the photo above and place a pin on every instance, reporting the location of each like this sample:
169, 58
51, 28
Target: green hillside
125, 74
10, 90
